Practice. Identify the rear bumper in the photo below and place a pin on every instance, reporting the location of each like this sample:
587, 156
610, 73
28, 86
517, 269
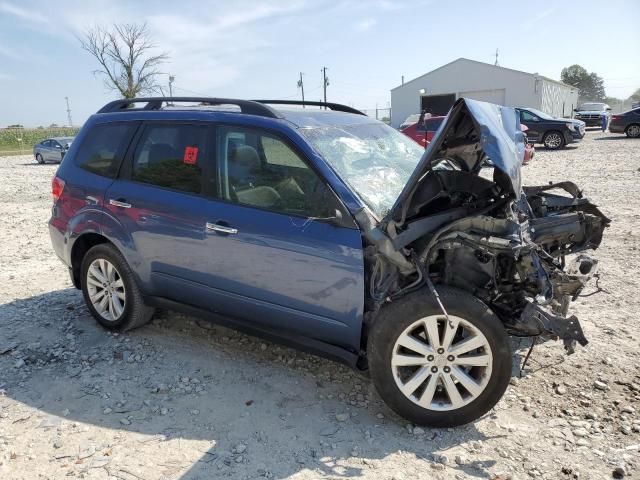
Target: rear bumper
59, 243
616, 128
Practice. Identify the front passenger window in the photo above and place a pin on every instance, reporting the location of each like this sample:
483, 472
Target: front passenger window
258, 169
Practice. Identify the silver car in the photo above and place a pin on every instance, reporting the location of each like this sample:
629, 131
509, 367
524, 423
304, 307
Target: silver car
52, 149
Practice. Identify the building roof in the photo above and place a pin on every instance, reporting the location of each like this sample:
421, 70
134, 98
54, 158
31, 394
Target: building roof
483, 64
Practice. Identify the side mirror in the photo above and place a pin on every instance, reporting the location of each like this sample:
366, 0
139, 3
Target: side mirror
608, 109
575, 109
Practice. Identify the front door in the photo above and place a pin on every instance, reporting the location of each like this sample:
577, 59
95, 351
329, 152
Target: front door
532, 122
277, 256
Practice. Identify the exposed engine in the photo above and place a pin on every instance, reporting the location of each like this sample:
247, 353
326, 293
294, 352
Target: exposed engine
523, 255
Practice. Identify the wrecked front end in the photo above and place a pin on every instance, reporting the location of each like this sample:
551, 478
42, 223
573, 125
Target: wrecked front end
521, 250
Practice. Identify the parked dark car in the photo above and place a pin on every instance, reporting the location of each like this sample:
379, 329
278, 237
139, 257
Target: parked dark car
591, 113
553, 133
331, 231
52, 149
627, 122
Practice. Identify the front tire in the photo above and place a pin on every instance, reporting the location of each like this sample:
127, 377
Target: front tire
432, 374
553, 140
633, 131
39, 159
110, 290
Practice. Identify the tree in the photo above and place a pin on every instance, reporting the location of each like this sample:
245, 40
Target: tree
126, 57
635, 96
590, 85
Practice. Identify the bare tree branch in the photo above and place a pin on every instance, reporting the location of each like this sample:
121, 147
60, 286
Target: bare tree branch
125, 55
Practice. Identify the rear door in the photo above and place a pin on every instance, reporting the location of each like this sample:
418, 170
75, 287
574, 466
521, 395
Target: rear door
158, 202
278, 255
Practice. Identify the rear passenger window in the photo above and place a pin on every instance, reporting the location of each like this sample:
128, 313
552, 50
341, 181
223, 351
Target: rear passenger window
103, 148
171, 156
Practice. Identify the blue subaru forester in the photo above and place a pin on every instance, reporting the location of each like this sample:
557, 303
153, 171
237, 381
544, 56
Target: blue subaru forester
317, 226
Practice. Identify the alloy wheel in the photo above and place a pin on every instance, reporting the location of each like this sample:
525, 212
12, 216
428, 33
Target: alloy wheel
106, 289
552, 140
441, 364
633, 131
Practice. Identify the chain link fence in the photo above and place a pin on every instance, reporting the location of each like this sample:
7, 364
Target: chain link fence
20, 141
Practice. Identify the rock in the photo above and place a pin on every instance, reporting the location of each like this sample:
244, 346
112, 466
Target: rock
561, 389
125, 421
328, 431
600, 385
418, 431
619, 472
580, 432
628, 409
342, 417
107, 411
19, 363
440, 458
195, 412
626, 429
380, 415
240, 448
164, 411
460, 459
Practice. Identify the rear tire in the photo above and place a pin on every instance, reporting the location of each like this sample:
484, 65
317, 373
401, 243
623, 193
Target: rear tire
553, 140
110, 290
632, 131
39, 159
445, 386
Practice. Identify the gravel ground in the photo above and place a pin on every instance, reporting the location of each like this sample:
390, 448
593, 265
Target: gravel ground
181, 398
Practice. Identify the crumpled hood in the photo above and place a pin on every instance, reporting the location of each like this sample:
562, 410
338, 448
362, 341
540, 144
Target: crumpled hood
472, 130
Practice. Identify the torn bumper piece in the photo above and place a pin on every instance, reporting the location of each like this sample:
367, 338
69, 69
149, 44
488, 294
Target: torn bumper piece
567, 329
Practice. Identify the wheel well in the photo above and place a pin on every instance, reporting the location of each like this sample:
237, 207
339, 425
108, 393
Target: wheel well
80, 248
631, 125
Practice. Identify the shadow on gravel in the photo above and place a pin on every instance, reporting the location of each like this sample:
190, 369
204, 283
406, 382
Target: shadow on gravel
176, 379
617, 137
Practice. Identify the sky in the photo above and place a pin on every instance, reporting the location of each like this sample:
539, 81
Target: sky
257, 48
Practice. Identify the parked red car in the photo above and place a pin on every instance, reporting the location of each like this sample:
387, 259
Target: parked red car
425, 128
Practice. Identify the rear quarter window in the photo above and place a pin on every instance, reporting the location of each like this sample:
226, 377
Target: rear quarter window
103, 147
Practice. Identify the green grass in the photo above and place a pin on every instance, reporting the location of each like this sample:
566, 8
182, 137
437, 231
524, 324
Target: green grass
14, 141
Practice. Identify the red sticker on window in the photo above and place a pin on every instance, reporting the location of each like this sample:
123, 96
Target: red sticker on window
190, 155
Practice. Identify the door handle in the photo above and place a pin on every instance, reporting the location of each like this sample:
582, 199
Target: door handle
91, 200
216, 227
118, 203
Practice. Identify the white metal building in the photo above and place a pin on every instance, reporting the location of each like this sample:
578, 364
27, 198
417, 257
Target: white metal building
437, 90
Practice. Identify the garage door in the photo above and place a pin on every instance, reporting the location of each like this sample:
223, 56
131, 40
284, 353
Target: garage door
492, 96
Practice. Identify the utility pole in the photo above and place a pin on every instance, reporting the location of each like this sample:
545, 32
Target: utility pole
325, 82
68, 112
301, 87
496, 64
171, 80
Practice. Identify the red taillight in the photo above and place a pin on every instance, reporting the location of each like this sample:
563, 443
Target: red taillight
616, 117
57, 185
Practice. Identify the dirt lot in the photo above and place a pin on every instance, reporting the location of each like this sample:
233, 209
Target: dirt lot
180, 398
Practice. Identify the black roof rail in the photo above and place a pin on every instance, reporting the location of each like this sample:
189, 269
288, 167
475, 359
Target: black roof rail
338, 107
155, 103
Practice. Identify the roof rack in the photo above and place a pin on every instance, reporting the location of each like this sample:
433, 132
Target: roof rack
155, 103
332, 106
